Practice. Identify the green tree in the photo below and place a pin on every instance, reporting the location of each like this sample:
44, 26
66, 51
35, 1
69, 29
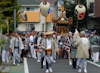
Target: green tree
7, 12
81, 23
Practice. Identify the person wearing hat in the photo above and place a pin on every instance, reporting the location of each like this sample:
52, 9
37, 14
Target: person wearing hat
83, 45
5, 49
96, 47
49, 46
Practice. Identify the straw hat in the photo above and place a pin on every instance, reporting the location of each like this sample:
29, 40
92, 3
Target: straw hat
49, 33
86, 29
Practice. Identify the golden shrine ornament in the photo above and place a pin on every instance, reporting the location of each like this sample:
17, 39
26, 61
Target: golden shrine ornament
62, 19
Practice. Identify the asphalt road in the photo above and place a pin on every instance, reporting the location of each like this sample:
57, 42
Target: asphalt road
60, 67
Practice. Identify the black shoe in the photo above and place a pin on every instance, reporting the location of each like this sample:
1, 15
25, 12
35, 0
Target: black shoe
74, 68
13, 64
21, 61
41, 66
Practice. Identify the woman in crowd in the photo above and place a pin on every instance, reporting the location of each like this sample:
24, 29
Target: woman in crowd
61, 46
68, 47
73, 52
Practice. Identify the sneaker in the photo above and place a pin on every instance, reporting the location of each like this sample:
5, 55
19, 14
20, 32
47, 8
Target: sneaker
70, 63
3, 61
85, 71
35, 57
7, 61
18, 64
50, 69
38, 61
9, 58
54, 61
79, 71
29, 55
47, 71
14, 64
43, 63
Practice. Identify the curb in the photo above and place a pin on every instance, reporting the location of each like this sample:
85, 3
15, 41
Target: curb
93, 63
5, 67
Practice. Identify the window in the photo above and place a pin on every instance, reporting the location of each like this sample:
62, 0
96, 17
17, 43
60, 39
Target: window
32, 8
97, 27
28, 9
32, 27
91, 7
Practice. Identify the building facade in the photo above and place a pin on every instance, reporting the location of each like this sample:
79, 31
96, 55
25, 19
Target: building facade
35, 21
94, 14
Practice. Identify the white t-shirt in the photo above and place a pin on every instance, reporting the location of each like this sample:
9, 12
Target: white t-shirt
31, 38
48, 44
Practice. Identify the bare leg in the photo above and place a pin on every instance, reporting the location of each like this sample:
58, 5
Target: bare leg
69, 56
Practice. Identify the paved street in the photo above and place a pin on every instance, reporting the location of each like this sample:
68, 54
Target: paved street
33, 67
60, 67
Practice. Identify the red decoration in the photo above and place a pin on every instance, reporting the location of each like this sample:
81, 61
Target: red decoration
82, 15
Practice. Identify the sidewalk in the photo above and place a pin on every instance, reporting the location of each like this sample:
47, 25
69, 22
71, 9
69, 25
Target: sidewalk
17, 69
9, 68
5, 67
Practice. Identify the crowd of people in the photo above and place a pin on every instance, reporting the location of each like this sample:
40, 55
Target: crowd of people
47, 47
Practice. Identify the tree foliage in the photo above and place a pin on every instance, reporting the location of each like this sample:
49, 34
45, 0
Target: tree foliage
7, 12
81, 23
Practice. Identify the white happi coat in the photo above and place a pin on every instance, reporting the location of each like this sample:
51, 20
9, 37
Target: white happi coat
21, 46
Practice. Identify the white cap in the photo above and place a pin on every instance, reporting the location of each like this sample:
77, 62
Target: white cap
70, 32
82, 32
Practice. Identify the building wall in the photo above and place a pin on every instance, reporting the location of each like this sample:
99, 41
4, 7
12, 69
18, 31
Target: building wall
93, 22
90, 1
22, 27
49, 26
97, 8
36, 19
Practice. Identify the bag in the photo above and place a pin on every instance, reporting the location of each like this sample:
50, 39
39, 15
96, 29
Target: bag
49, 51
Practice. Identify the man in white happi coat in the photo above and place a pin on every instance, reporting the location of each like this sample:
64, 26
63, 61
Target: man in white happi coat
16, 46
82, 45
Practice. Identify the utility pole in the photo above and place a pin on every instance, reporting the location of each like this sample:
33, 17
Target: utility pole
77, 18
15, 17
7, 27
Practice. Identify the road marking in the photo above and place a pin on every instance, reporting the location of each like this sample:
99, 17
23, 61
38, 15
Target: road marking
26, 70
93, 63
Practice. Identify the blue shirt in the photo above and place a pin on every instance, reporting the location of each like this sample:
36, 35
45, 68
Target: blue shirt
35, 42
